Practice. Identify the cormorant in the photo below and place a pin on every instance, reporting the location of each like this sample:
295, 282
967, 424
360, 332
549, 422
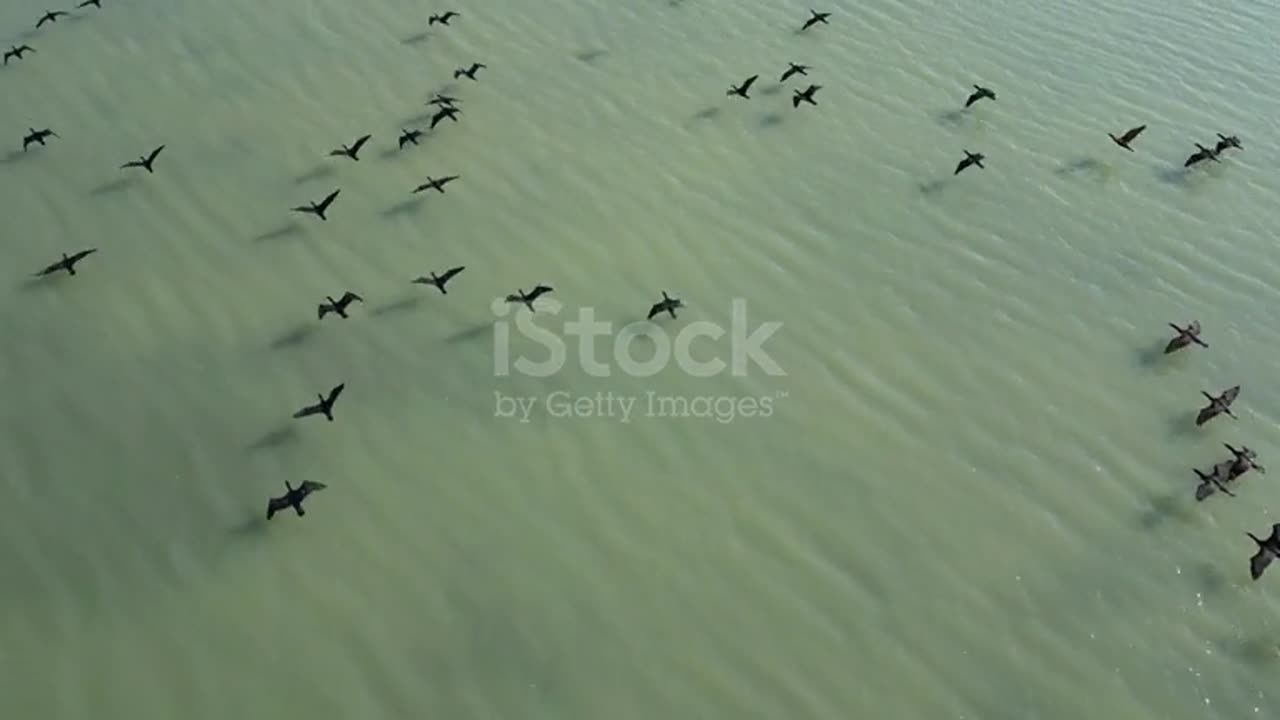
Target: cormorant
52, 17
443, 19
144, 162
667, 304
87, 3
1228, 141
1214, 480
1201, 155
440, 280
527, 298
36, 136
1246, 459
16, 52
446, 112
469, 72
970, 159
442, 100
353, 151
319, 209
1218, 405
815, 18
409, 136
794, 69
68, 262
806, 96
1186, 336
979, 93
324, 407
293, 498
1124, 140
436, 184
338, 306
741, 90
1268, 549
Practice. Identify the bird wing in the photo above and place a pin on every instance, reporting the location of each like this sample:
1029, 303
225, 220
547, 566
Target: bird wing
420, 188
51, 268
325, 203
539, 291
1275, 532
1229, 395
1259, 562
132, 163
335, 392
514, 299
359, 144
657, 308
1194, 327
309, 486
276, 504
746, 84
450, 273
81, 255
154, 153
435, 119
448, 179
348, 297
1133, 133
309, 410
1207, 413
303, 209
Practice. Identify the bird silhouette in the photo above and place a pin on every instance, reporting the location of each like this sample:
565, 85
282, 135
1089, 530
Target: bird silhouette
1228, 141
1218, 405
436, 184
442, 19
319, 209
68, 262
36, 136
1129, 136
1186, 336
979, 93
293, 497
1268, 549
324, 407
741, 90
1200, 155
16, 52
353, 151
815, 17
806, 96
667, 304
409, 136
146, 162
338, 306
794, 69
53, 16
520, 296
439, 281
446, 112
468, 72
970, 159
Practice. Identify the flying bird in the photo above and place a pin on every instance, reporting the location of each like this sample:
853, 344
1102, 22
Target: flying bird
667, 304
446, 112
1200, 155
1186, 336
442, 19
87, 3
409, 136
68, 262
469, 72
49, 17
338, 306
741, 90
1124, 140
1228, 141
439, 281
36, 136
144, 161
970, 159
979, 93
815, 17
353, 151
1268, 549
794, 69
319, 209
436, 184
324, 407
806, 96
293, 497
1246, 459
1218, 405
1214, 480
16, 52
527, 298
442, 100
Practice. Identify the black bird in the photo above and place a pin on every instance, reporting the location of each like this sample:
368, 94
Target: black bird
1246, 459
436, 184
36, 136
52, 17
145, 161
527, 298
806, 96
87, 3
1228, 141
1201, 155
979, 93
1186, 336
1124, 140
794, 69
815, 18
353, 151
16, 52
1218, 405
970, 159
443, 19
319, 209
741, 90
1268, 549
667, 304
440, 280
443, 100
446, 112
293, 498
324, 407
469, 72
338, 306
409, 136
1214, 480
68, 262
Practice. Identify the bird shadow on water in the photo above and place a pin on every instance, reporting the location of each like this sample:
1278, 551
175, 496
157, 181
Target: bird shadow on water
1177, 507
276, 438
1183, 425
474, 332
1084, 166
709, 113
773, 89
1152, 357
402, 305
1257, 651
114, 186
417, 38
421, 118
953, 118
405, 207
319, 172
590, 56
14, 156
933, 187
294, 337
280, 233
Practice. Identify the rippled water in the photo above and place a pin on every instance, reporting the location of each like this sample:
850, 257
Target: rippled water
969, 495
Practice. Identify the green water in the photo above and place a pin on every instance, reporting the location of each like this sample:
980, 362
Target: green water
968, 494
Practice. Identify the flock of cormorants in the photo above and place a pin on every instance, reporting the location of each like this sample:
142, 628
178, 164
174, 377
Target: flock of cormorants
1219, 478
